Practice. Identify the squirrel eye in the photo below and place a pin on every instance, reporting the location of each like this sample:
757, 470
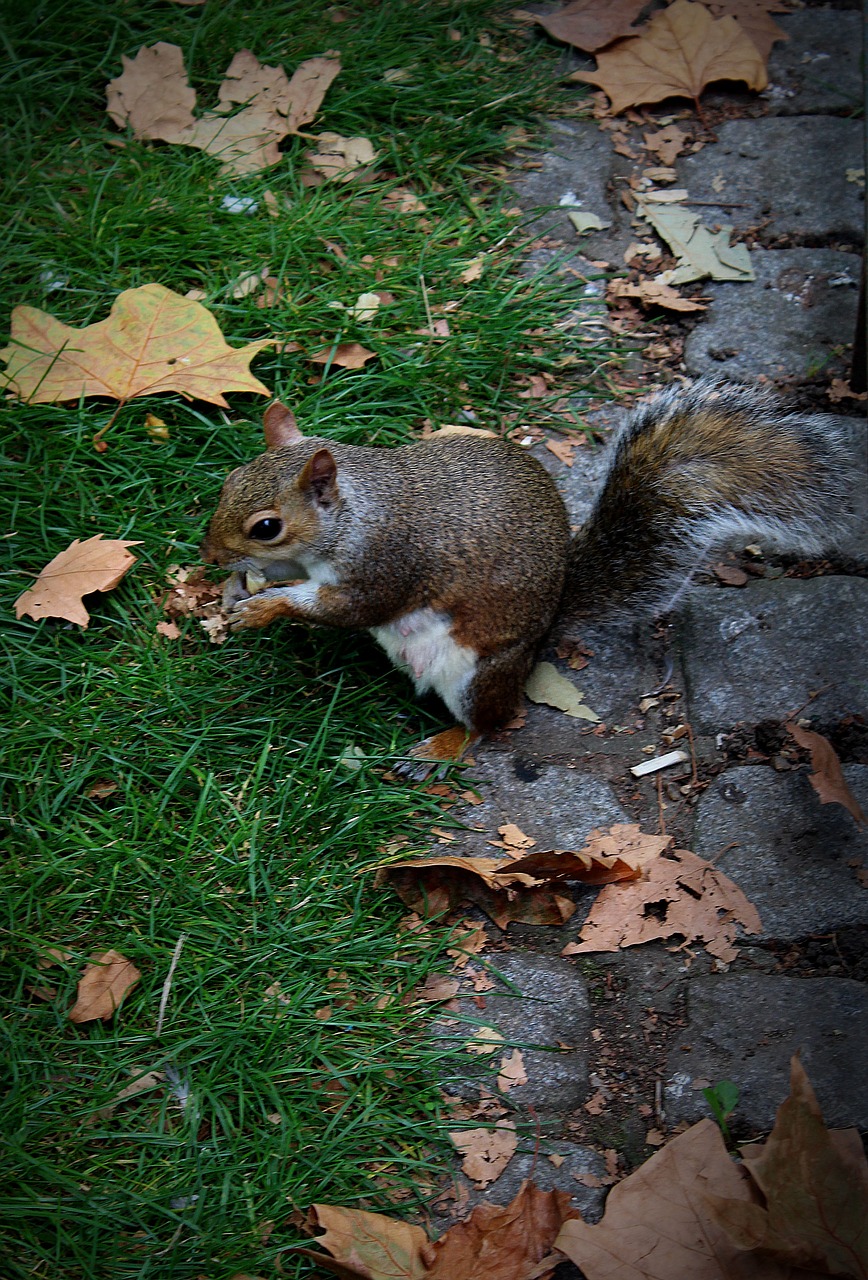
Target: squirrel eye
266, 530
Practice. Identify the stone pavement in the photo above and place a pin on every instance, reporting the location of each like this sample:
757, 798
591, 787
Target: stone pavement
639, 1031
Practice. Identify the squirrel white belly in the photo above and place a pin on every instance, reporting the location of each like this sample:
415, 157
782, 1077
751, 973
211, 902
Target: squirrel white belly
456, 552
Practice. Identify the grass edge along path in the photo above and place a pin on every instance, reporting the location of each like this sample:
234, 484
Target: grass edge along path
160, 790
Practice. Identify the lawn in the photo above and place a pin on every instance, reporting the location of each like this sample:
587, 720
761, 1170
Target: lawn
221, 804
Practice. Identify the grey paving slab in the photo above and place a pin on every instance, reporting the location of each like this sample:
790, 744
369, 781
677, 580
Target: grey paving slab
746, 1027
785, 324
791, 855
543, 1002
555, 806
789, 174
532, 1161
818, 70
763, 651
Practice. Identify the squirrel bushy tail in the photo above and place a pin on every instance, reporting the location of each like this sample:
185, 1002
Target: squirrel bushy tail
694, 467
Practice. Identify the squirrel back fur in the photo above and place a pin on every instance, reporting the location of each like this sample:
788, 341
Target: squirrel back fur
455, 552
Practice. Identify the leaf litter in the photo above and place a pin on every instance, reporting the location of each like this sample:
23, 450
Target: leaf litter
106, 981
153, 96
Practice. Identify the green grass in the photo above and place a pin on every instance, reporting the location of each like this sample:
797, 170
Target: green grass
234, 819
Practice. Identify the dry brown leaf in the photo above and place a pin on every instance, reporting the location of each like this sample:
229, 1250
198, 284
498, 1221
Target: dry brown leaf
653, 294
666, 143
485, 1152
753, 17
348, 355
520, 890
339, 159
102, 987
434, 886
616, 854
680, 51
563, 450
154, 97
370, 1245
497, 1242
590, 24
657, 1223
512, 1072
436, 988
695, 900
152, 342
814, 1188
827, 779
504, 1242
142, 1082
97, 564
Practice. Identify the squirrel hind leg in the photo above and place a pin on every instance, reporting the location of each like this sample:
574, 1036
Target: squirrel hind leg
494, 694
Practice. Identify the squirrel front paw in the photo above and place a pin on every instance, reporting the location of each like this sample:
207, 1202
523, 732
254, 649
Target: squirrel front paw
260, 610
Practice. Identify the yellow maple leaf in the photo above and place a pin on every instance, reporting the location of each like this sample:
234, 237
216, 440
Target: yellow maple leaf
153, 341
682, 50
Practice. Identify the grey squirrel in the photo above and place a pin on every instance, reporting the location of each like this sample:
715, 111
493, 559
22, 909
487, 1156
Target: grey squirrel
456, 552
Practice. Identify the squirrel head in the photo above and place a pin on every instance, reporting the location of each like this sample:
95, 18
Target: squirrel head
272, 511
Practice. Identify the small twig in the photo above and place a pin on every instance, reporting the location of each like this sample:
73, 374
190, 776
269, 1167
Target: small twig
695, 777
164, 998
427, 304
659, 1113
717, 204
667, 676
661, 819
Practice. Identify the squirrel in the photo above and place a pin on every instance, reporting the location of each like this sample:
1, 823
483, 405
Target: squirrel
456, 552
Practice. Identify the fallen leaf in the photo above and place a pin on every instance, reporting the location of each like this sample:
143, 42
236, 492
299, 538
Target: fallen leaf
504, 1242
103, 986
753, 17
485, 1152
170, 630
339, 159
730, 575
680, 894
617, 854
584, 222
435, 886
436, 987
680, 51
141, 1083
546, 684
512, 1072
653, 293
590, 24
152, 342
827, 779
512, 837
563, 450
96, 564
370, 1245
666, 143
473, 270
814, 1187
657, 1222
485, 1041
700, 251
348, 355
153, 96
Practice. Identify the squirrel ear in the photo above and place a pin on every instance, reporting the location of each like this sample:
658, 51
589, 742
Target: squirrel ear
279, 426
320, 477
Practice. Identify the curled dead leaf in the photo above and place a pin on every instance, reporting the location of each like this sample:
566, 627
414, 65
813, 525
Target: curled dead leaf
102, 987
